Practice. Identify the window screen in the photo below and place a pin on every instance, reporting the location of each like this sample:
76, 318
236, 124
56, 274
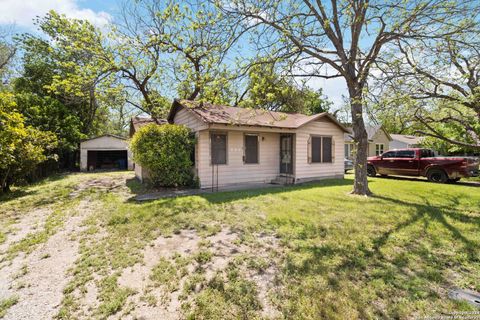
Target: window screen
327, 149
251, 149
316, 149
321, 149
219, 148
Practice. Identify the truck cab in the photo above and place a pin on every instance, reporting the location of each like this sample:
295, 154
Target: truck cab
422, 162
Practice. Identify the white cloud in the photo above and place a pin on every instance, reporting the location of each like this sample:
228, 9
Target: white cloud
22, 12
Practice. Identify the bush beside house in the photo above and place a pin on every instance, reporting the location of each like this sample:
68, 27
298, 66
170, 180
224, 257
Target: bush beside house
165, 151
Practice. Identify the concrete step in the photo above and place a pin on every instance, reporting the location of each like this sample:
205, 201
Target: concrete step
283, 180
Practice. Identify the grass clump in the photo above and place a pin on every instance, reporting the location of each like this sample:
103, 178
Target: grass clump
112, 296
230, 291
5, 304
203, 256
165, 273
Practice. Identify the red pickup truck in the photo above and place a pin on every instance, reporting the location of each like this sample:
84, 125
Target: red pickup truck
422, 162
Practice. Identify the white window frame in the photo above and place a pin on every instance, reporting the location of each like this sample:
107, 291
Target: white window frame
379, 149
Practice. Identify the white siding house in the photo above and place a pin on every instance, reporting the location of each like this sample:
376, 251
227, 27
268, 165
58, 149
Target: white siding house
378, 142
237, 146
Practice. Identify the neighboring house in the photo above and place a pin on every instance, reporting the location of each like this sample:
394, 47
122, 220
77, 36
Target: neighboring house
378, 142
402, 141
107, 152
247, 146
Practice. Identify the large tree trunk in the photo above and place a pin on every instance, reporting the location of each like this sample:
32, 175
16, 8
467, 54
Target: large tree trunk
360, 185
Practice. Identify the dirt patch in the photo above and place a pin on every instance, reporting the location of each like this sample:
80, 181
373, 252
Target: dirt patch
137, 277
40, 287
224, 247
115, 184
24, 225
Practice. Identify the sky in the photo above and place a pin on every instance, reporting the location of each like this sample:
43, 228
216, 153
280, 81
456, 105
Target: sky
21, 14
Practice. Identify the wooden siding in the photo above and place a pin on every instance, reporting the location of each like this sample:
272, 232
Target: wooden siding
235, 171
188, 119
306, 171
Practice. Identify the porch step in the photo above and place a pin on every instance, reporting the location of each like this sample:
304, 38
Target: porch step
283, 179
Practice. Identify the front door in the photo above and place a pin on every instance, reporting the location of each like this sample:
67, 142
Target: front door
286, 153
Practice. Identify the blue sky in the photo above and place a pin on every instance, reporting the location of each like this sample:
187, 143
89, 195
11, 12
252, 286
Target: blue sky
21, 13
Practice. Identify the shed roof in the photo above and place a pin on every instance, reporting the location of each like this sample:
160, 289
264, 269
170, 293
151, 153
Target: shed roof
222, 114
105, 135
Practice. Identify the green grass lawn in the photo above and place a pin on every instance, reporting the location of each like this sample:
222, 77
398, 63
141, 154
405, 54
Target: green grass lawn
394, 255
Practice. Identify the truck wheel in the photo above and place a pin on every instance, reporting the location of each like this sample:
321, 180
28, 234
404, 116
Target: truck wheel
371, 172
437, 175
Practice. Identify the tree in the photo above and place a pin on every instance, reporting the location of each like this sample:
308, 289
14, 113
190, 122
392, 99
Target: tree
270, 89
7, 53
440, 78
22, 147
165, 45
72, 53
346, 36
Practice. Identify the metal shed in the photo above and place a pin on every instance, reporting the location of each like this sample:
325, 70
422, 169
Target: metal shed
107, 152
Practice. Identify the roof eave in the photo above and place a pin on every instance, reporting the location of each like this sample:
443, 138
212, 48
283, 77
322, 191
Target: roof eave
330, 117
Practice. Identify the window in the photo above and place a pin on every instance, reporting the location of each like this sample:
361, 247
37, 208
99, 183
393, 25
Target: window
321, 149
379, 149
219, 148
348, 150
390, 154
327, 149
316, 149
427, 153
251, 149
408, 154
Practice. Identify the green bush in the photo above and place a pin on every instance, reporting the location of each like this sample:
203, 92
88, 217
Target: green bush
165, 152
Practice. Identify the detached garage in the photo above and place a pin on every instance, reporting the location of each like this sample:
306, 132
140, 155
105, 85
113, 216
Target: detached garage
107, 152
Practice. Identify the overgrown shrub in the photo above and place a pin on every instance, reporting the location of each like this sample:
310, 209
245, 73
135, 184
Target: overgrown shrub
165, 151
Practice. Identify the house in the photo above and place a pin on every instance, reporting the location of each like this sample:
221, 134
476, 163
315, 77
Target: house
402, 141
107, 152
378, 141
249, 146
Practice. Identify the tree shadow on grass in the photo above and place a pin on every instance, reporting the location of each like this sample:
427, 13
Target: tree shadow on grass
432, 213
410, 270
22, 190
15, 194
